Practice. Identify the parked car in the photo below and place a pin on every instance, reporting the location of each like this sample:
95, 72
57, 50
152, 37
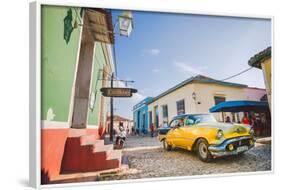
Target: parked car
207, 137
162, 132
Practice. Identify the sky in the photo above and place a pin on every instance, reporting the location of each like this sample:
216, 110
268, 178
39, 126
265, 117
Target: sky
165, 49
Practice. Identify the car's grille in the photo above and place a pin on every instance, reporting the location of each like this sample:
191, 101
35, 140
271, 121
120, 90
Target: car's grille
243, 142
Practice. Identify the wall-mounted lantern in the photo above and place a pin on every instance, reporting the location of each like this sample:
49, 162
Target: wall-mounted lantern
194, 96
125, 21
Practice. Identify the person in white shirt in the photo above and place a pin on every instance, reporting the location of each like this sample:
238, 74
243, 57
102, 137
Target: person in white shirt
121, 134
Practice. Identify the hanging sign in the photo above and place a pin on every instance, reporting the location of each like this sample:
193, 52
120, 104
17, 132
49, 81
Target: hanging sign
118, 92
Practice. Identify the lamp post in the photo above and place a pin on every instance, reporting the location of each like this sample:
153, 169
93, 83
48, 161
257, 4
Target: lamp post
111, 111
125, 21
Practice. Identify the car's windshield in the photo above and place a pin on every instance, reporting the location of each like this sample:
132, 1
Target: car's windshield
177, 122
165, 125
202, 118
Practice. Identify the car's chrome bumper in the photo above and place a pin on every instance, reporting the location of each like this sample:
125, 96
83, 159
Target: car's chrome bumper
222, 149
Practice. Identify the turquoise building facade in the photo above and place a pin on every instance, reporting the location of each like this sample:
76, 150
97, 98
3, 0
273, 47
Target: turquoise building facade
141, 115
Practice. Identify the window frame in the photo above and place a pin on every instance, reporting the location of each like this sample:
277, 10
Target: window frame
181, 111
219, 96
167, 114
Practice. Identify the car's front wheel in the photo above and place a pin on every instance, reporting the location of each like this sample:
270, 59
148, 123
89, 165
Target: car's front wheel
166, 146
202, 150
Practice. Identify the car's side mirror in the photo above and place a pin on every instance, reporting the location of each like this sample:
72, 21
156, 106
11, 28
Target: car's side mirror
197, 121
177, 126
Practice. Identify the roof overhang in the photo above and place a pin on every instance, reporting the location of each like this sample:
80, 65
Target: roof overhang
197, 79
100, 24
257, 59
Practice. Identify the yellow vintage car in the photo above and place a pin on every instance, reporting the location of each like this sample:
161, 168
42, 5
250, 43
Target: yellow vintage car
207, 137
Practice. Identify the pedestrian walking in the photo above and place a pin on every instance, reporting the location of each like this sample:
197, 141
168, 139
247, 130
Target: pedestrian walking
128, 130
245, 119
137, 131
152, 128
121, 136
143, 131
227, 120
133, 130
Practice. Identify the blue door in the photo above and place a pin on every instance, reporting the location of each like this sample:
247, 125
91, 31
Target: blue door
143, 123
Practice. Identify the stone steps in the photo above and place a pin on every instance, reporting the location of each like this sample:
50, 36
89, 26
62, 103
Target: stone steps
87, 176
87, 154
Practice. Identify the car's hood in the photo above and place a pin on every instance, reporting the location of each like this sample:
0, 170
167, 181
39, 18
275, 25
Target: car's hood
163, 130
229, 129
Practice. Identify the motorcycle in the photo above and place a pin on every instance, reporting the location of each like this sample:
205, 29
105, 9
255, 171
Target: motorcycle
120, 138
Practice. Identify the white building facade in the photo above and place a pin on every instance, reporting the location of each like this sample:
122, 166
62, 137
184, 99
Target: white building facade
197, 95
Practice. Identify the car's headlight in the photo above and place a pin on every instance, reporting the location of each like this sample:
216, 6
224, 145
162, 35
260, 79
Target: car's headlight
252, 132
219, 134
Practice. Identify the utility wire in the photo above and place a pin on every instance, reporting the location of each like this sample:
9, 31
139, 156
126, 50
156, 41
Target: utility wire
244, 71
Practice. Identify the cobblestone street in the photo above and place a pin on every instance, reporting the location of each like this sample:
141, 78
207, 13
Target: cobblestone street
147, 159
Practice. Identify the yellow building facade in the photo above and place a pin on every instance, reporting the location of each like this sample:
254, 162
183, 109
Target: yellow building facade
262, 60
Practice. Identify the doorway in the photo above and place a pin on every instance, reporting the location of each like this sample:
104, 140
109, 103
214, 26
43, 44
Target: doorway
138, 119
150, 118
143, 122
156, 116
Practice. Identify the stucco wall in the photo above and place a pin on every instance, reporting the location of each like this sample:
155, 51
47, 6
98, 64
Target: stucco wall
139, 122
58, 68
266, 67
170, 100
58, 63
52, 150
141, 108
254, 93
204, 94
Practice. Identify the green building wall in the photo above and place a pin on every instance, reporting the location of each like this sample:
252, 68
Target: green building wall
58, 64
99, 63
